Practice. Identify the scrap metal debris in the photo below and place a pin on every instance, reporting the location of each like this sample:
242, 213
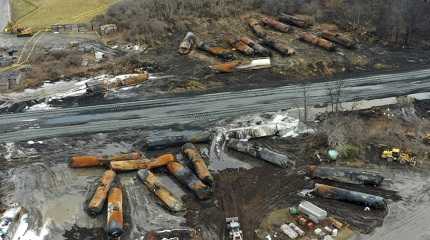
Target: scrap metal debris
261, 152
102, 87
185, 233
7, 222
242, 65
187, 43
191, 41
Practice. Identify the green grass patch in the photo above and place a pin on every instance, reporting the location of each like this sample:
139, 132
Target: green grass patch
51, 12
348, 151
20, 8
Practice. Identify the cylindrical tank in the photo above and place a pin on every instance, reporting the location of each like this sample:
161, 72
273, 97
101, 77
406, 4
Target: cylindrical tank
98, 200
256, 27
276, 24
115, 217
259, 49
142, 164
161, 142
346, 175
338, 38
317, 41
199, 164
220, 52
239, 45
280, 47
95, 161
151, 181
187, 43
341, 194
187, 178
294, 20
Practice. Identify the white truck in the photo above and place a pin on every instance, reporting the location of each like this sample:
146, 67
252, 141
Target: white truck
233, 227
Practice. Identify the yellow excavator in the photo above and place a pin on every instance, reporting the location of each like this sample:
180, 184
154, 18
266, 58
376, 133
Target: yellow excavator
395, 154
426, 138
20, 31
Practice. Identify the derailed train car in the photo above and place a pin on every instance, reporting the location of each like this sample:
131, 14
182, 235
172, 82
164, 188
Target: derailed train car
345, 175
364, 199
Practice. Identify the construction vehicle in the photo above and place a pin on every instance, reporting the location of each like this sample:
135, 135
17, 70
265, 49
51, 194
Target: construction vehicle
426, 139
233, 226
20, 31
395, 154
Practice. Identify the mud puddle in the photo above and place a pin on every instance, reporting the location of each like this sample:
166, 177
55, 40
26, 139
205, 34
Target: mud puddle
409, 217
36, 175
54, 194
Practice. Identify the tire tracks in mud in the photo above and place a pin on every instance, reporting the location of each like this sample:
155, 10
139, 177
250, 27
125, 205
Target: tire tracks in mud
202, 108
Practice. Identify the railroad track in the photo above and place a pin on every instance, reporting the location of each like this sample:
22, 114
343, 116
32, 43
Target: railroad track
200, 110
369, 82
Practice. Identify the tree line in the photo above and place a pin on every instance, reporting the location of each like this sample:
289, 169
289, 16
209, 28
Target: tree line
399, 22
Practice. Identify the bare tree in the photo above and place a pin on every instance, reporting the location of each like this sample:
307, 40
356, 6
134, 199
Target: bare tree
305, 103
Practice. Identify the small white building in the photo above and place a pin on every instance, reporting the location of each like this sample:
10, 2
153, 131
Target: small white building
99, 56
108, 29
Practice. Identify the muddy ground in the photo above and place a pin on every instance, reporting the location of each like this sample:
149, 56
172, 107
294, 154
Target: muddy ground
310, 63
35, 174
191, 73
253, 194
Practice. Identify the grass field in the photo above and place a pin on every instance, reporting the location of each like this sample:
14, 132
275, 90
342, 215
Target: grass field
39, 14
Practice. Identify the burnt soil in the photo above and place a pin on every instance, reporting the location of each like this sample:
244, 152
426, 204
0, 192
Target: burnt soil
252, 194
193, 75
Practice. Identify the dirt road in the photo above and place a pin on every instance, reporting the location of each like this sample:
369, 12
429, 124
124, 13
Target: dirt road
4, 13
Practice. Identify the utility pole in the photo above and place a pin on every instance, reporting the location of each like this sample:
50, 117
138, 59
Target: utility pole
339, 86
305, 103
331, 95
